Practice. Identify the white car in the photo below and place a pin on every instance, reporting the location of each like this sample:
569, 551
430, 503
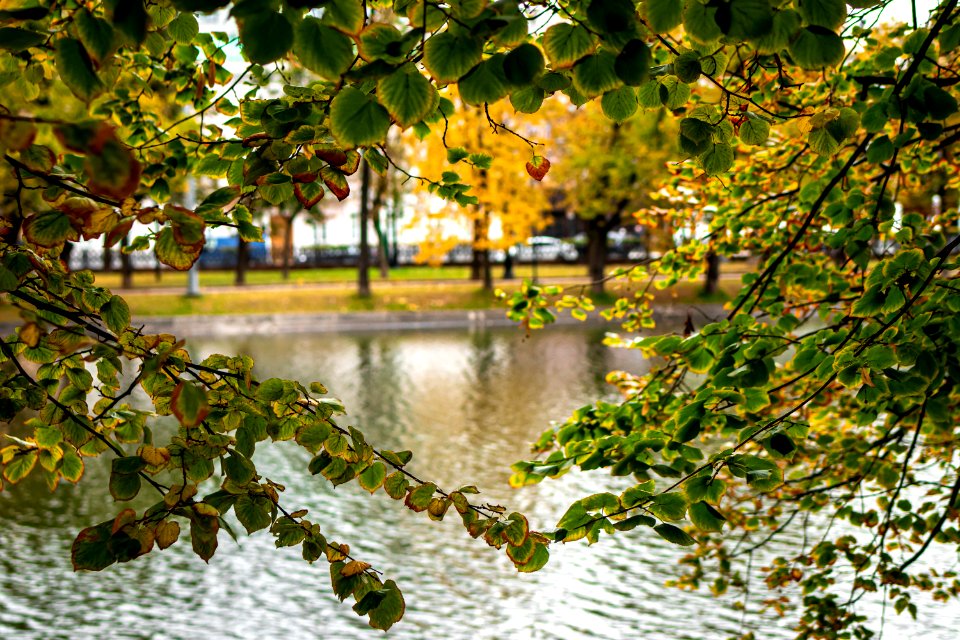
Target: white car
546, 249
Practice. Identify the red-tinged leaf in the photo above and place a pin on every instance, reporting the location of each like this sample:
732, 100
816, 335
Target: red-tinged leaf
172, 254
111, 168
119, 231
305, 177
188, 227
308, 194
331, 154
189, 404
125, 517
90, 550
336, 182
538, 167
351, 164
517, 530
419, 498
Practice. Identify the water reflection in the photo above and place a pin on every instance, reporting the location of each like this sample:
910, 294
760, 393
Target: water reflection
468, 403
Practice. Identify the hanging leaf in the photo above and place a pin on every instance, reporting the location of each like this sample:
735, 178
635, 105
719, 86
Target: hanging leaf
619, 104
189, 404
565, 44
75, 68
49, 229
357, 119
538, 167
486, 83
408, 96
322, 49
523, 65
184, 28
816, 47
345, 15
664, 15
673, 534
754, 130
90, 550
705, 517
448, 57
308, 194
266, 36
336, 182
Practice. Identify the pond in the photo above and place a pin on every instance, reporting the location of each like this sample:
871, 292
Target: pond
467, 403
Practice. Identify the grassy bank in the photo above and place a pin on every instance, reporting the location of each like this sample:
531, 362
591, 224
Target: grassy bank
333, 297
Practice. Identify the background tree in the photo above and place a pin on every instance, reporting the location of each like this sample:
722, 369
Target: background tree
608, 170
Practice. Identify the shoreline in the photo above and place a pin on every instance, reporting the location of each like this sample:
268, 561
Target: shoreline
369, 321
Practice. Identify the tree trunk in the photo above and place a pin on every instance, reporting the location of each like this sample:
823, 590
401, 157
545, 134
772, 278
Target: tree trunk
508, 265
107, 256
243, 261
485, 255
382, 246
126, 268
597, 230
476, 265
363, 267
711, 277
287, 245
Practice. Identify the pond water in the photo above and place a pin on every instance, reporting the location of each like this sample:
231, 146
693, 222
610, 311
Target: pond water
468, 404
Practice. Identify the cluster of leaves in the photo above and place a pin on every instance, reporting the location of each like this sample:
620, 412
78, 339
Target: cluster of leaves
834, 374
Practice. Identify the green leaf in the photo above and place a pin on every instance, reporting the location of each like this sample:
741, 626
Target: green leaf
816, 47
275, 188
90, 551
537, 560
372, 478
184, 28
527, 100
822, 142
664, 15
523, 65
21, 465
448, 56
97, 35
419, 498
408, 96
633, 522
253, 513
390, 609
668, 506
172, 254
322, 49
76, 69
754, 130
345, 15
517, 529
825, 13
705, 517
619, 104
673, 534
565, 44
595, 74
357, 118
239, 469
16, 39
130, 18
486, 83
395, 485
717, 159
265, 36
189, 403
116, 313
49, 229
124, 486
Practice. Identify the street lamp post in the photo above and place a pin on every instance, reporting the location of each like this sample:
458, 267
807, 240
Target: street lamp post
193, 275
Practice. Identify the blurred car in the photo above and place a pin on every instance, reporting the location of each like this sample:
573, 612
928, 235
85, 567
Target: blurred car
546, 249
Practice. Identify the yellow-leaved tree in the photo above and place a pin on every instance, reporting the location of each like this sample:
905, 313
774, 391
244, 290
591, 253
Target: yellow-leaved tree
508, 204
